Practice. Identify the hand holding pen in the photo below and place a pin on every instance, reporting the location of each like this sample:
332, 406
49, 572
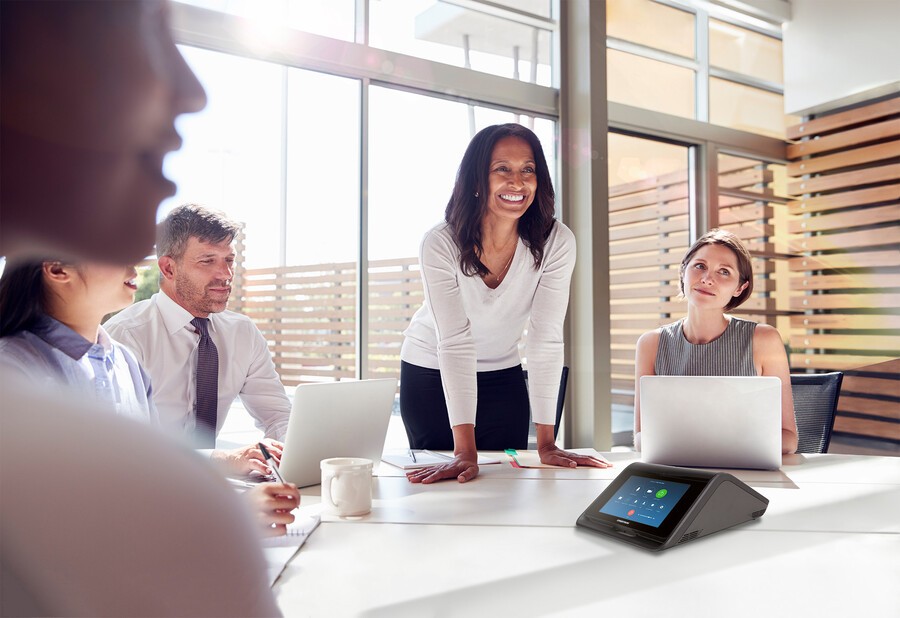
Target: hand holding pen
271, 462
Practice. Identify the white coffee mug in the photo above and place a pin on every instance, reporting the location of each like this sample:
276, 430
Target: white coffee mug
346, 486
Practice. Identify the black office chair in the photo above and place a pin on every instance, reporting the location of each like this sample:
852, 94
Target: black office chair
815, 404
560, 400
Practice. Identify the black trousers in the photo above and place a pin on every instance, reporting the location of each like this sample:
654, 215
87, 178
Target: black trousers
503, 415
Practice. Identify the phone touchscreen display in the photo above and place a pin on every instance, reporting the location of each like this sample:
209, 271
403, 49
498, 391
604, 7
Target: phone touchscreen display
644, 500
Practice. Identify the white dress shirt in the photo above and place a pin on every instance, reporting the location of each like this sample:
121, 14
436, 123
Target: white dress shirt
464, 326
160, 333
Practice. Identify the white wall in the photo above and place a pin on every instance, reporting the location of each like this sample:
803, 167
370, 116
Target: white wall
838, 52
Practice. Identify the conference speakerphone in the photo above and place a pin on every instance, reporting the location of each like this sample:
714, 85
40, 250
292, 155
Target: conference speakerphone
657, 507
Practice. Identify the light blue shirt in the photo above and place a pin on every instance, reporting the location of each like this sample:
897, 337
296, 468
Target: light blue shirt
52, 354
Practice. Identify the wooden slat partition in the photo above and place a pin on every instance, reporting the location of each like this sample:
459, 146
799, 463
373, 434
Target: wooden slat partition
648, 237
308, 315
870, 402
846, 199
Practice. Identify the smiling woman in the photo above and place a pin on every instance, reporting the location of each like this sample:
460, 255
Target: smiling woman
50, 333
500, 262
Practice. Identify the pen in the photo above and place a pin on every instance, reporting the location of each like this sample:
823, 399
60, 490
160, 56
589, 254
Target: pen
412, 455
271, 461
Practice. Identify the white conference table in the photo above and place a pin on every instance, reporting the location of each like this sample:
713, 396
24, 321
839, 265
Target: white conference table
506, 543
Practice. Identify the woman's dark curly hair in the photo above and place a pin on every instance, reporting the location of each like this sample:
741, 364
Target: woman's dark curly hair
465, 211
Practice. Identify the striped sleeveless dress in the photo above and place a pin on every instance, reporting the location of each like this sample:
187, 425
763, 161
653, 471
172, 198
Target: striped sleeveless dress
731, 354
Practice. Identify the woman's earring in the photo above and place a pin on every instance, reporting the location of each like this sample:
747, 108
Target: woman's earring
476, 194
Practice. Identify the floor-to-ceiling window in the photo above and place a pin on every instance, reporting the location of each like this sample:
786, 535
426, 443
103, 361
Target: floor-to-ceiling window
333, 133
692, 85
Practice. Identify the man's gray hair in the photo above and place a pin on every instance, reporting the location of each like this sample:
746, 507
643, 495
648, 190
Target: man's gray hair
193, 220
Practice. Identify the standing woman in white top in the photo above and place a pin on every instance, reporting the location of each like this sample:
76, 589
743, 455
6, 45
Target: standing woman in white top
498, 265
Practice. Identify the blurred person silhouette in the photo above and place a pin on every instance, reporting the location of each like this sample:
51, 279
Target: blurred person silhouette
99, 515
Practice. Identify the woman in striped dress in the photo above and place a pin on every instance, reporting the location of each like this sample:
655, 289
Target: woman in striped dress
716, 276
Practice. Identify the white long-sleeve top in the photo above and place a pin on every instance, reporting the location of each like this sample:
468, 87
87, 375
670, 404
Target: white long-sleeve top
464, 326
160, 333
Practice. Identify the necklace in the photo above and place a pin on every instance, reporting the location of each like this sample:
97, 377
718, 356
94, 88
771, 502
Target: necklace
505, 268
498, 278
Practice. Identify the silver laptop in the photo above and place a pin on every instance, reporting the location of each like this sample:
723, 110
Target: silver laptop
711, 421
336, 419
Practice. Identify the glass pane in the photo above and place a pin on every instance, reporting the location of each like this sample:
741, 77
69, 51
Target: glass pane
744, 51
232, 161
648, 228
323, 168
314, 322
410, 180
650, 84
228, 162
761, 221
651, 24
749, 109
445, 32
332, 18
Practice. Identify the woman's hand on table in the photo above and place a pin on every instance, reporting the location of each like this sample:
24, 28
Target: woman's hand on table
463, 467
555, 456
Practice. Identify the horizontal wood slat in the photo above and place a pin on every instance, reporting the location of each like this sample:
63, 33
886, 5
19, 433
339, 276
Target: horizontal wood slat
845, 321
861, 197
669, 210
834, 362
872, 281
860, 259
877, 237
867, 427
870, 401
845, 301
841, 120
656, 274
654, 228
845, 180
743, 214
861, 384
846, 219
845, 139
873, 343
660, 195
874, 407
677, 240
847, 158
652, 259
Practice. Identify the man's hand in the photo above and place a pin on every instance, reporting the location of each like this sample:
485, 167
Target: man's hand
249, 458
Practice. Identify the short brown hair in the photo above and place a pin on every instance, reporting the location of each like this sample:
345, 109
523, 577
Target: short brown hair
193, 220
717, 236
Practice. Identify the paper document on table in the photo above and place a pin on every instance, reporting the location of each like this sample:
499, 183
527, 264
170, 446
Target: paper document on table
425, 458
297, 532
279, 550
531, 459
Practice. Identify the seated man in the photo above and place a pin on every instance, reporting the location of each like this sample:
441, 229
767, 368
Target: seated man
200, 356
